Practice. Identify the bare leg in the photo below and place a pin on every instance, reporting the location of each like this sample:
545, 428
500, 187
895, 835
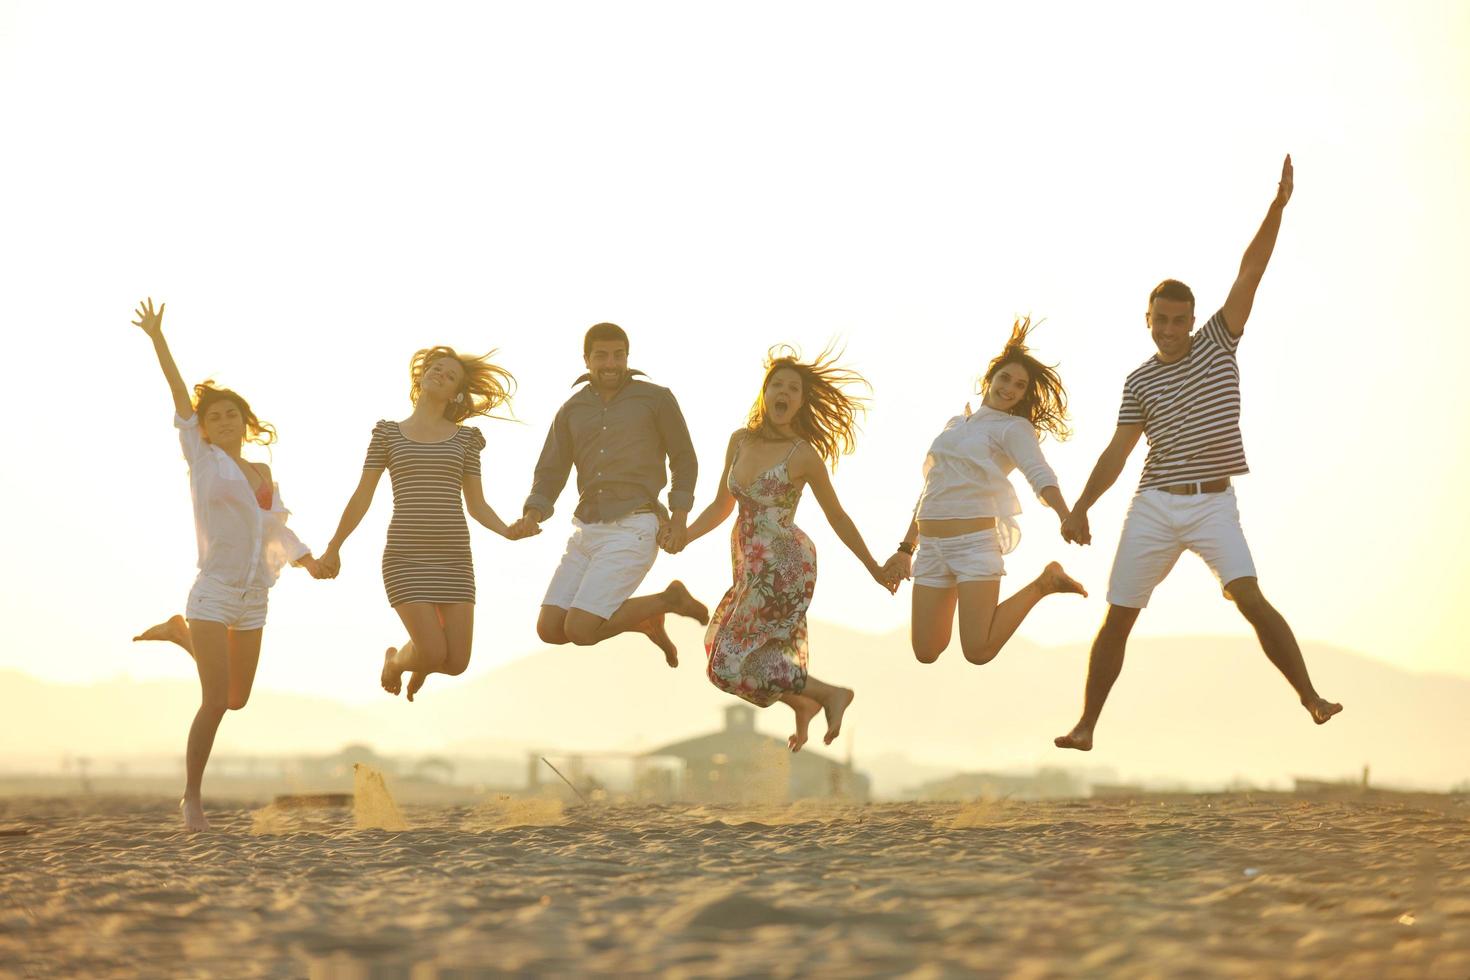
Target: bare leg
1280, 645
931, 621
985, 627
834, 701
805, 709
644, 614
1103, 666
173, 630
244, 648
212, 646
551, 625
439, 642
424, 651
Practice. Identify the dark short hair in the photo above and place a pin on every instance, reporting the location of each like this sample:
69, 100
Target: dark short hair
1172, 289
602, 331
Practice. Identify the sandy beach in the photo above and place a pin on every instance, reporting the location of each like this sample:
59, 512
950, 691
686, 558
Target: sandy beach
1222, 885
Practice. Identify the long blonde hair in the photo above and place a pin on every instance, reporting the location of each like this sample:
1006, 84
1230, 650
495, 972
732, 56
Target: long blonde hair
484, 387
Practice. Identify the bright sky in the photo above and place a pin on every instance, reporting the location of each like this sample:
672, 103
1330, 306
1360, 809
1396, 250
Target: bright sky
317, 190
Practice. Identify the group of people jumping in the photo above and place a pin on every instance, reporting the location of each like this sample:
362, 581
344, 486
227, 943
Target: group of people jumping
627, 439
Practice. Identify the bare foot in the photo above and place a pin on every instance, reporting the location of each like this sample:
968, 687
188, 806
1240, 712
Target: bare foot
1321, 709
392, 676
834, 711
174, 630
193, 813
684, 604
805, 710
653, 628
1079, 738
416, 681
1054, 579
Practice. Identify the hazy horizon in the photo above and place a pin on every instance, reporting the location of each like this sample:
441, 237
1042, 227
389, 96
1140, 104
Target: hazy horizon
1199, 710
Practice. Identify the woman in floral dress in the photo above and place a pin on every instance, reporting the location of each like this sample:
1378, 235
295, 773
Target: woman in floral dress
757, 644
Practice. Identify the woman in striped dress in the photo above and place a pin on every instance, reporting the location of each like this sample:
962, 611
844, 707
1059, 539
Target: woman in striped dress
434, 463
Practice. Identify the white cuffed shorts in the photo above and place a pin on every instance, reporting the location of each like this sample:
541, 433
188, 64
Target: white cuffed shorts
1161, 526
603, 564
942, 563
215, 602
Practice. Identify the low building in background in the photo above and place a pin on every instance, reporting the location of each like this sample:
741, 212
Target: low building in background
740, 765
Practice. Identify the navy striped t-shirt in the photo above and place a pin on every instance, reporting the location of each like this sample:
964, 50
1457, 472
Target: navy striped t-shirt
1189, 410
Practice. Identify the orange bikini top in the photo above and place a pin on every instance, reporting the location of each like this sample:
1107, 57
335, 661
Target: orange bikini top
263, 495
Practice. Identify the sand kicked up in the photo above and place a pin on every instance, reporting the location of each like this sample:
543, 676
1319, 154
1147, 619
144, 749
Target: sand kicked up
1234, 886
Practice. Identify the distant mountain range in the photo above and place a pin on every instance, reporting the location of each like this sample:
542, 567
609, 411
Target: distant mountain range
1203, 711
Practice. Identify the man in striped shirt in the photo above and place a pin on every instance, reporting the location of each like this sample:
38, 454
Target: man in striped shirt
1186, 400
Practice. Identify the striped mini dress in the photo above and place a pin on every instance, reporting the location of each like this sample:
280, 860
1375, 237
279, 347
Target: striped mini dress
427, 558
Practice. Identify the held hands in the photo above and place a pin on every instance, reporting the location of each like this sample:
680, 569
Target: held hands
673, 534
314, 566
1283, 189
1075, 529
896, 569
149, 321
528, 525
326, 566
881, 576
523, 527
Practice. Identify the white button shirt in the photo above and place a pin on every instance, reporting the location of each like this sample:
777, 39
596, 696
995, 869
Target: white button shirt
240, 545
967, 471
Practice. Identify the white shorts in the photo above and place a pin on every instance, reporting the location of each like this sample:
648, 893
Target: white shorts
214, 602
1161, 526
942, 563
603, 564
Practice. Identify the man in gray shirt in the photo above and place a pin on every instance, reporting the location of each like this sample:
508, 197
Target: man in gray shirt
617, 430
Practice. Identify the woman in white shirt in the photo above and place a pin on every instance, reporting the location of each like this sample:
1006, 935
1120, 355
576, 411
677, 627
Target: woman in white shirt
240, 524
965, 519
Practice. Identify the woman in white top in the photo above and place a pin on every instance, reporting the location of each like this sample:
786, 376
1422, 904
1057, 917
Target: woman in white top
240, 524
965, 519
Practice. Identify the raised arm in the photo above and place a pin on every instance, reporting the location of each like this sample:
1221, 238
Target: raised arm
714, 515
808, 466
1257, 255
151, 323
1109, 466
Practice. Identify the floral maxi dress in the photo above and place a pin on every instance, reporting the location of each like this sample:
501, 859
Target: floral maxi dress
756, 640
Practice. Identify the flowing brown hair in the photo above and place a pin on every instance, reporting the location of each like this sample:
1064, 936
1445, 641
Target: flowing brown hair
206, 393
828, 417
484, 388
1045, 401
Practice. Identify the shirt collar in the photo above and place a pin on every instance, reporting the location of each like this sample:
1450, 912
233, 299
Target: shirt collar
631, 374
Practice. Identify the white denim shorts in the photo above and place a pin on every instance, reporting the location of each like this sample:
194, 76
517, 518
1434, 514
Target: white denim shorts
1161, 526
604, 563
215, 602
942, 563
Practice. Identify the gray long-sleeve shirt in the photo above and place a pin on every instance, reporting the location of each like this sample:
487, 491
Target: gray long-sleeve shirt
619, 449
